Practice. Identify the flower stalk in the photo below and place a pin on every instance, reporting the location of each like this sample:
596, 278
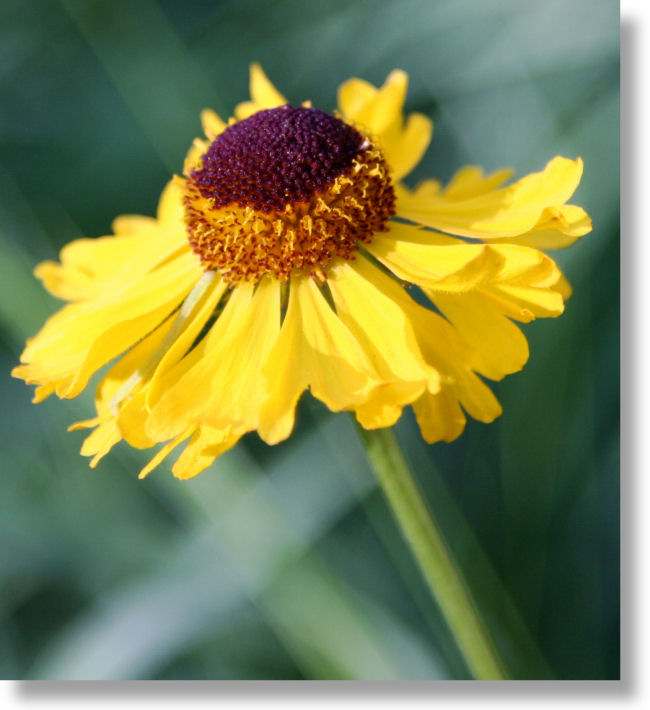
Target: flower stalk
428, 547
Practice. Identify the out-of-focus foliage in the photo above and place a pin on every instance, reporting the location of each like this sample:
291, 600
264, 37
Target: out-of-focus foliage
284, 562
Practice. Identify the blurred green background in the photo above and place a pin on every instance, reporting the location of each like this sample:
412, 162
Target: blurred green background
284, 562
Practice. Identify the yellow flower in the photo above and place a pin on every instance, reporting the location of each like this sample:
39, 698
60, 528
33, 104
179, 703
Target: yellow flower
286, 260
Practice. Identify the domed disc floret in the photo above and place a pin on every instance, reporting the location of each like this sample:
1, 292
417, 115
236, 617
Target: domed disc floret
287, 189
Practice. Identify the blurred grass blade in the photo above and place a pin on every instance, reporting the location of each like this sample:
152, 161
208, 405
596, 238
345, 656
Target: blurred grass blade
165, 100
248, 551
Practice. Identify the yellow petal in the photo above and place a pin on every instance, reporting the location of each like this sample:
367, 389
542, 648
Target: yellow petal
220, 384
563, 287
126, 389
450, 354
246, 109
163, 452
500, 347
82, 337
135, 366
522, 281
212, 123
184, 340
368, 302
425, 189
42, 392
86, 424
525, 303
382, 108
91, 267
202, 449
353, 95
170, 207
446, 351
121, 395
315, 349
558, 228
194, 158
132, 420
404, 147
383, 406
457, 267
126, 225
477, 398
528, 285
525, 266
379, 113
262, 90
439, 416
263, 94
533, 203
100, 442
470, 182
365, 301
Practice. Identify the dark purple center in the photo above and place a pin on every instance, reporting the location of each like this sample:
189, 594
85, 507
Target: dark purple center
277, 156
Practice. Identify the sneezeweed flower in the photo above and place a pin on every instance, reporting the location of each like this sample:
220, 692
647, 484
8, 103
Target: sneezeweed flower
286, 259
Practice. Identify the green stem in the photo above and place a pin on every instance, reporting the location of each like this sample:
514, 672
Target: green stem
431, 553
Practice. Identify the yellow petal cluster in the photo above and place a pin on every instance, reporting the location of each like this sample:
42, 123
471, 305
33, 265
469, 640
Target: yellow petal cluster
201, 362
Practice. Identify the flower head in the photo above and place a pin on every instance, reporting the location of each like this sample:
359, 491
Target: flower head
285, 259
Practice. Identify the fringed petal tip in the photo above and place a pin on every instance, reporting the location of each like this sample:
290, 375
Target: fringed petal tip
204, 446
531, 211
379, 111
263, 94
